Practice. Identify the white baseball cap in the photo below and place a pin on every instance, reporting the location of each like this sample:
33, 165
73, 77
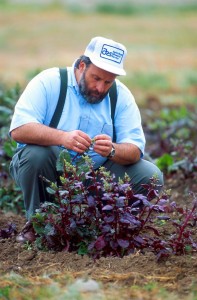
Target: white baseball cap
107, 55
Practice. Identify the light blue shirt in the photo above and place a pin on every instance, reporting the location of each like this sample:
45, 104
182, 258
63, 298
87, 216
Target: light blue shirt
38, 102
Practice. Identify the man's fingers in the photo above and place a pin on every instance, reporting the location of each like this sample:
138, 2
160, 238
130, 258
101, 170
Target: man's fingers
102, 137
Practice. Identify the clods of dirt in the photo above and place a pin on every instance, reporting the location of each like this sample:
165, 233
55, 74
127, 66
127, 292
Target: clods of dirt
178, 273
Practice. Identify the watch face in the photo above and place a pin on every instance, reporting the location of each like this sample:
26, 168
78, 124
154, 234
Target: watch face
112, 153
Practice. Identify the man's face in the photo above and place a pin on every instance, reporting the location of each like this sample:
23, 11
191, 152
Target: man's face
94, 83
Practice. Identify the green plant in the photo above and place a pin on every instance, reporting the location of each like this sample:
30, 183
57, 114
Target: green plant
5, 292
8, 98
10, 195
172, 142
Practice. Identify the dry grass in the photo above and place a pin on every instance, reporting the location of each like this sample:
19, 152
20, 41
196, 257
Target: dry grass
63, 286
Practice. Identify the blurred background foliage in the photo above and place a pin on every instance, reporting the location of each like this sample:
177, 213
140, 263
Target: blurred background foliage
160, 37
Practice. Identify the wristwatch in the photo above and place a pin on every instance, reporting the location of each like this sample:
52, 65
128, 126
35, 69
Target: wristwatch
112, 153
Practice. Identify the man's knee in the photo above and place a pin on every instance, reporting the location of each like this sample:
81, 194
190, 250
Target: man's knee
151, 170
144, 170
139, 173
39, 156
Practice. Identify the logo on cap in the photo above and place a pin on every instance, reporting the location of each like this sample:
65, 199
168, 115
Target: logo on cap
112, 53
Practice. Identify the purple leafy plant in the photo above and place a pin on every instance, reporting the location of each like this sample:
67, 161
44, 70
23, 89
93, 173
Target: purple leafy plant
94, 214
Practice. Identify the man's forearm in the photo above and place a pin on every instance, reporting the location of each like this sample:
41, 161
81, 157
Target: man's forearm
39, 134
126, 154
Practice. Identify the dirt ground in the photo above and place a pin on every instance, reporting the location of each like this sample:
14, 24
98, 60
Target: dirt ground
177, 274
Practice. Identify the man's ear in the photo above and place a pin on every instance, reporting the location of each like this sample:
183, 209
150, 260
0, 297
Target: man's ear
82, 66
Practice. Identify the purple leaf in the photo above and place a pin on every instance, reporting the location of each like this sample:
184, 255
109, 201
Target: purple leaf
124, 221
158, 208
113, 244
91, 201
125, 186
140, 197
173, 204
129, 219
80, 222
139, 240
91, 246
78, 184
109, 219
107, 207
77, 199
162, 201
107, 196
123, 243
146, 203
73, 224
121, 198
136, 203
88, 175
194, 245
106, 228
100, 243
120, 202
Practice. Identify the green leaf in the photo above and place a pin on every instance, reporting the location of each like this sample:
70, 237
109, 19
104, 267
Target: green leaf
165, 161
50, 191
49, 229
5, 110
9, 147
83, 249
64, 155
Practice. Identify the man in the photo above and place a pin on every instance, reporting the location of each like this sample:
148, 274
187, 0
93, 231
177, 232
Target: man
86, 115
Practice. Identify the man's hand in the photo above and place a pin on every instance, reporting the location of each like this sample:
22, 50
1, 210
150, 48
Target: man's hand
103, 144
77, 140
126, 153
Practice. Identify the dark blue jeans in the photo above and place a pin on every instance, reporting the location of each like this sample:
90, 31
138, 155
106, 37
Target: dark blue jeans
32, 161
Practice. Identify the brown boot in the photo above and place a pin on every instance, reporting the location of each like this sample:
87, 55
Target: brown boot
27, 234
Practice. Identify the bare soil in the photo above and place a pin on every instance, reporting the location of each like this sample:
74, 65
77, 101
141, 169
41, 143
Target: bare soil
176, 274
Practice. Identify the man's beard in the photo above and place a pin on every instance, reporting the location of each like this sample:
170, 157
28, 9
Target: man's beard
92, 97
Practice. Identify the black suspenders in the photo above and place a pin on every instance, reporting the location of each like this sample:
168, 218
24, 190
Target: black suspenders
62, 97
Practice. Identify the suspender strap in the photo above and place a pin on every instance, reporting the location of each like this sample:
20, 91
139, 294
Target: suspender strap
62, 97
113, 100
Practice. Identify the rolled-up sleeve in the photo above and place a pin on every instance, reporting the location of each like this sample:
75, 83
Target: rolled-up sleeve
31, 107
39, 99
